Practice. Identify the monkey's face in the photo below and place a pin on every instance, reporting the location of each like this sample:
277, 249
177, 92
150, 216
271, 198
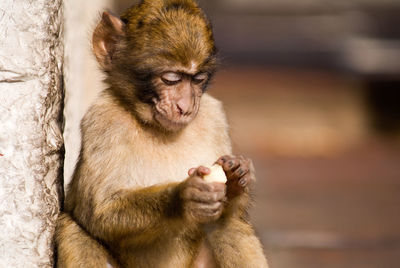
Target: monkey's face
158, 60
177, 97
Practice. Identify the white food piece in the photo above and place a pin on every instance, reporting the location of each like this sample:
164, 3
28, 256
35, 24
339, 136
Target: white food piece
217, 174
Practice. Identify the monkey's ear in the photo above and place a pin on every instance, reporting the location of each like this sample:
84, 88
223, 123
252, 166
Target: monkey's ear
105, 37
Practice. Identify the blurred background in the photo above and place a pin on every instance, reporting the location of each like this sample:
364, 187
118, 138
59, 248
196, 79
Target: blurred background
312, 93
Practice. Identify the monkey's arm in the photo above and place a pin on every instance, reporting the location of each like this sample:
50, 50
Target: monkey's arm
142, 216
233, 236
138, 215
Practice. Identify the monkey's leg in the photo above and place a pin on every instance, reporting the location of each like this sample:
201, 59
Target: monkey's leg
234, 244
75, 248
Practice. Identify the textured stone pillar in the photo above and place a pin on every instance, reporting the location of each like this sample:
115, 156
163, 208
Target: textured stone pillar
31, 144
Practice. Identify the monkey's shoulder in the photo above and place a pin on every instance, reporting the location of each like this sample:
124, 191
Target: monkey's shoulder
106, 117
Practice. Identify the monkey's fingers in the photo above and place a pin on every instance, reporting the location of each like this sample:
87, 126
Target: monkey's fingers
200, 171
203, 213
194, 194
191, 171
202, 185
234, 167
244, 180
227, 162
238, 187
239, 175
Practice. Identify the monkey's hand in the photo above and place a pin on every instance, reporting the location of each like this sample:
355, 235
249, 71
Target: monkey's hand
239, 171
202, 201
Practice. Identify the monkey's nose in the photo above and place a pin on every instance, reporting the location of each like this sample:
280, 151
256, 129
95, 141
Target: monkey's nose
183, 106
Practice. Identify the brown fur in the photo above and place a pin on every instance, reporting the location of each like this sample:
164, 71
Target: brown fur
131, 202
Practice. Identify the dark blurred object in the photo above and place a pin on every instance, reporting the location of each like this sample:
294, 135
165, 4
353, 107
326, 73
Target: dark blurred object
384, 102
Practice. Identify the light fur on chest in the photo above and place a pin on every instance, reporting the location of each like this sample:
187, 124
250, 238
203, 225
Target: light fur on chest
169, 161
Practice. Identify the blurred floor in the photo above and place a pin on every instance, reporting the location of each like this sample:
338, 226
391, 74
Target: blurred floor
328, 190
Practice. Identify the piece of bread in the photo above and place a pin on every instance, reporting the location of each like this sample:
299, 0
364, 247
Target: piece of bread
217, 174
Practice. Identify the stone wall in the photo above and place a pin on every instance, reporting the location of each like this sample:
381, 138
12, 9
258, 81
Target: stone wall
31, 143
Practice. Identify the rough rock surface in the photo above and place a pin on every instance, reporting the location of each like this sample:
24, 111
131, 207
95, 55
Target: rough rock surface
31, 144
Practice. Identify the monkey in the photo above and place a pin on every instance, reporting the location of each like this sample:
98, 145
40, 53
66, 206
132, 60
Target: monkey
137, 197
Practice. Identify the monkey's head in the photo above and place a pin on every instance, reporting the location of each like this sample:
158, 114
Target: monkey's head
158, 57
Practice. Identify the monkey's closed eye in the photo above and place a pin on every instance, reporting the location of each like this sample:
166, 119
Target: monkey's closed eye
171, 78
200, 77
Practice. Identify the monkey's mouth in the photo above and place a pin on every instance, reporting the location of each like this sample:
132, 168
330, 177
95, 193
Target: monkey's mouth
172, 124
170, 118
